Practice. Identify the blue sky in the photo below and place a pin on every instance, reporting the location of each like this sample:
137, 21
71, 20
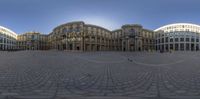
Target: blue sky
44, 15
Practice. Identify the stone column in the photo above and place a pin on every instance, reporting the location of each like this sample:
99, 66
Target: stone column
81, 43
179, 45
100, 44
164, 43
96, 43
66, 45
199, 45
135, 43
184, 43
128, 45
90, 45
190, 44
73, 46
84, 44
195, 42
173, 43
122, 45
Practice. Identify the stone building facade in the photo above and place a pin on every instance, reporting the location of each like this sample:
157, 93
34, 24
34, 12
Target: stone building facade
32, 41
86, 37
78, 36
135, 38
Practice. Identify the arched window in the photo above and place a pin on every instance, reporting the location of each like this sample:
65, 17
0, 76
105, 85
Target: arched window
64, 30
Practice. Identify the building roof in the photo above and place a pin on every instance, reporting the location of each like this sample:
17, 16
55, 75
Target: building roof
8, 30
175, 24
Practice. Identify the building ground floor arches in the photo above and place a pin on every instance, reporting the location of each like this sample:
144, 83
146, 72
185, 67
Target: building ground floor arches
7, 47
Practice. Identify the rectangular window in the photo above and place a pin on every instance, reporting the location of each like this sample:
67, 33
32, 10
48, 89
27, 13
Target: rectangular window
187, 39
162, 40
192, 40
166, 39
182, 46
1, 39
171, 39
182, 39
171, 46
176, 39
197, 40
176, 47
187, 47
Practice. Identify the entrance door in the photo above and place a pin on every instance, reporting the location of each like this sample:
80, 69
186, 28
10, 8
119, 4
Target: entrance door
70, 46
97, 48
58, 47
64, 47
192, 47
139, 49
197, 47
78, 48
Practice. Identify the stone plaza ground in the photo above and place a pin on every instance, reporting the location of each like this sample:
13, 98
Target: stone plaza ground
99, 75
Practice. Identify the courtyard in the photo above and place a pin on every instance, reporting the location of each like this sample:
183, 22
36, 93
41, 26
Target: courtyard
99, 75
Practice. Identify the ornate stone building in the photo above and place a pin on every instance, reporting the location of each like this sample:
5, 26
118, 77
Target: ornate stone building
80, 36
86, 37
32, 41
135, 38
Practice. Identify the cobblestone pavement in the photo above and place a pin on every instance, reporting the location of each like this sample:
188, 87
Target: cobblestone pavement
99, 75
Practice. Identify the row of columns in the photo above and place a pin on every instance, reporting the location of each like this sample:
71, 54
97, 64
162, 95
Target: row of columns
138, 45
163, 45
7, 47
92, 44
177, 46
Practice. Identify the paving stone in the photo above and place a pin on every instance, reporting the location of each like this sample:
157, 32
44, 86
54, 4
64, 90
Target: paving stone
107, 74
